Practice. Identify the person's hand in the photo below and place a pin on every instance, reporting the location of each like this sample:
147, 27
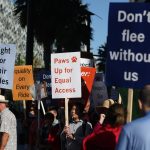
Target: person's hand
68, 133
66, 130
70, 136
102, 118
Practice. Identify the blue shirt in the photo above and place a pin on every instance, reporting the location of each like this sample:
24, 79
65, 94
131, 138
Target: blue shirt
135, 135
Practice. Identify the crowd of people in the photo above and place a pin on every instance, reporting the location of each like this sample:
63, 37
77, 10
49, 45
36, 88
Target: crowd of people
103, 129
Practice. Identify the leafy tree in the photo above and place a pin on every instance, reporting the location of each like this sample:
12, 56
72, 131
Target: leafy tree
54, 21
102, 57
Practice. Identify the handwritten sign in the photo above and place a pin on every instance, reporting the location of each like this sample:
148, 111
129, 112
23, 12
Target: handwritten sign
66, 75
7, 61
23, 79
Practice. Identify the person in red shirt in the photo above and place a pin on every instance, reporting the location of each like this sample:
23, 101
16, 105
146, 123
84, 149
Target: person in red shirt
105, 136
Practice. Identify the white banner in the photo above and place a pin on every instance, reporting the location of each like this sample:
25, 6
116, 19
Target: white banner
66, 75
7, 61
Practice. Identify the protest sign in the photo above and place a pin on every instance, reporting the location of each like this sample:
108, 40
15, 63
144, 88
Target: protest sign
42, 75
66, 75
99, 90
23, 79
7, 61
86, 62
87, 75
128, 55
86, 59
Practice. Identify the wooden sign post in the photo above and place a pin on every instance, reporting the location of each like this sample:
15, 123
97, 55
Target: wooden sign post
24, 109
129, 105
66, 112
43, 109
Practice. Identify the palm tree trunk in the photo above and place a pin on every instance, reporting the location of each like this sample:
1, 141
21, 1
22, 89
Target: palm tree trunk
59, 48
29, 43
88, 40
47, 55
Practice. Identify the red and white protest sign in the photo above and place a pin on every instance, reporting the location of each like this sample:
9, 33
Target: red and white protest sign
87, 74
66, 75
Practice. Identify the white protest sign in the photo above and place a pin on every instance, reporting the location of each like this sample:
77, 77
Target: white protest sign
85, 62
66, 75
7, 61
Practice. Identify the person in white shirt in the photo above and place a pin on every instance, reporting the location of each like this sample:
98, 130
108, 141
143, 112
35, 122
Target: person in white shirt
8, 127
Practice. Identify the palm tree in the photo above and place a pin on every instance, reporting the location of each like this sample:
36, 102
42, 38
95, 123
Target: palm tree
54, 21
25, 10
102, 57
74, 31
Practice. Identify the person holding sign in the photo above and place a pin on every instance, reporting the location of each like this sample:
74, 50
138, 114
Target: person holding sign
72, 135
8, 133
135, 135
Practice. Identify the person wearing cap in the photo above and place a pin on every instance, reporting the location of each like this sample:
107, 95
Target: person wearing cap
8, 132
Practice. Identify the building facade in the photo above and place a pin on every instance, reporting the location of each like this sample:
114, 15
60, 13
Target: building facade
12, 33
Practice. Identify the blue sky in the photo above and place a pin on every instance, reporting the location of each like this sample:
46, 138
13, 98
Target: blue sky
100, 8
